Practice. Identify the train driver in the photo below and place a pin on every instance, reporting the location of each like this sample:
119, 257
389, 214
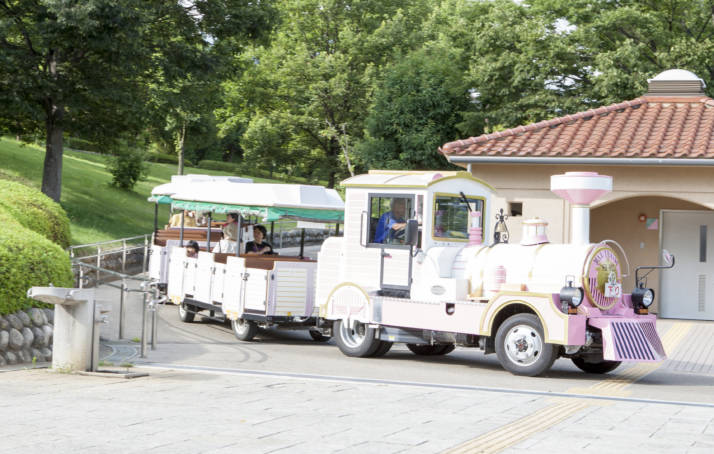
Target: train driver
391, 224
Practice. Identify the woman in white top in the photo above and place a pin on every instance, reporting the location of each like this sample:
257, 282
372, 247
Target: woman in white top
229, 240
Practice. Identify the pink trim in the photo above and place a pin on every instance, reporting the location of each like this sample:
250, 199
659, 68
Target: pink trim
576, 329
580, 196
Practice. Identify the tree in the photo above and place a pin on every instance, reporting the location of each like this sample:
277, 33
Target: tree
416, 109
318, 74
626, 42
85, 66
545, 58
71, 66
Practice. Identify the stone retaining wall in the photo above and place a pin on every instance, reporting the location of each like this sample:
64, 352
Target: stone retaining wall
26, 336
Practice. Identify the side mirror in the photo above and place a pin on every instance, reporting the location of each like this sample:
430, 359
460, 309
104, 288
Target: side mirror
667, 258
412, 232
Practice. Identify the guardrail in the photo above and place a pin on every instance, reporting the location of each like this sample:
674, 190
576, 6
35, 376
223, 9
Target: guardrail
151, 297
98, 251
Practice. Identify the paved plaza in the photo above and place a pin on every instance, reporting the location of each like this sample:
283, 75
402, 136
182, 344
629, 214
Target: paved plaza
207, 392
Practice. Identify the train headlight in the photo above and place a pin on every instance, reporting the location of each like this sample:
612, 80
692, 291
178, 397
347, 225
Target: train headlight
643, 296
572, 295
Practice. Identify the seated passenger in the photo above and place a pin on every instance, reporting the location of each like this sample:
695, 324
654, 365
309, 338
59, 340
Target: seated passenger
192, 249
228, 243
391, 224
188, 221
258, 246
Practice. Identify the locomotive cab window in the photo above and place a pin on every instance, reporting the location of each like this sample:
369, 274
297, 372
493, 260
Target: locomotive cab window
388, 215
452, 218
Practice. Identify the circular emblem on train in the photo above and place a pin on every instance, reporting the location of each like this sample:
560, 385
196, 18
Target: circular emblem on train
603, 280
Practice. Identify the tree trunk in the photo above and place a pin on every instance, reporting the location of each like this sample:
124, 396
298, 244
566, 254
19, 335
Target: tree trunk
54, 115
52, 170
182, 141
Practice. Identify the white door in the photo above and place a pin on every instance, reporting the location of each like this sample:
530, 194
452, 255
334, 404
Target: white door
687, 290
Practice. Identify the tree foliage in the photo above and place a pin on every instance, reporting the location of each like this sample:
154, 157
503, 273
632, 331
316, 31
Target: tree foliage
311, 87
87, 66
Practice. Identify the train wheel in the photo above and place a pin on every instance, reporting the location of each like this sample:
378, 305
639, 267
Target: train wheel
382, 350
521, 347
359, 340
318, 336
600, 367
430, 350
186, 313
244, 330
448, 348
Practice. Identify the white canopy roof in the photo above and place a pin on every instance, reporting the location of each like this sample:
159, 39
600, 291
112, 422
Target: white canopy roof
405, 178
269, 201
182, 182
263, 195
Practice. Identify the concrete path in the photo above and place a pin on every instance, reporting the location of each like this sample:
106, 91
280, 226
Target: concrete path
207, 392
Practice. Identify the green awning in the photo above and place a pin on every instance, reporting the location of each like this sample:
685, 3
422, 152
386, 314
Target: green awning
161, 199
268, 214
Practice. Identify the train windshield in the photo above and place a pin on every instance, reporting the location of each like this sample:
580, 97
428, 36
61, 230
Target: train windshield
451, 216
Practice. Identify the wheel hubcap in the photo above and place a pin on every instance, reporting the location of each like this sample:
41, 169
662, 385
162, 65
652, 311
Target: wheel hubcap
240, 325
523, 345
352, 336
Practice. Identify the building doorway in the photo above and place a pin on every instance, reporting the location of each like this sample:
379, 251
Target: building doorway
636, 224
687, 290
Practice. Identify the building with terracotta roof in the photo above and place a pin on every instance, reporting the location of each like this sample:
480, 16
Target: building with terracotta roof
659, 149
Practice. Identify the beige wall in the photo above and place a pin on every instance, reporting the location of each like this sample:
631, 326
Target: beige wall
636, 190
619, 221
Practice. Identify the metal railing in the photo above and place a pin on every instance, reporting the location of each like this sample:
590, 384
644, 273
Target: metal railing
100, 250
148, 287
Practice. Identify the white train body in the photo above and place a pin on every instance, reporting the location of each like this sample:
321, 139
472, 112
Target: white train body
447, 289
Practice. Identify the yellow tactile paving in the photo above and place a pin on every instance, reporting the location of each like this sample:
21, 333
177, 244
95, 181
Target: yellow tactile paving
510, 434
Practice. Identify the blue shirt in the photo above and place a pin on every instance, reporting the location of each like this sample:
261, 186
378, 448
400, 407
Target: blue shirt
384, 225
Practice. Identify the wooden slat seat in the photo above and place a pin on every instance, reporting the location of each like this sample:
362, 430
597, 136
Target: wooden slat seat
194, 234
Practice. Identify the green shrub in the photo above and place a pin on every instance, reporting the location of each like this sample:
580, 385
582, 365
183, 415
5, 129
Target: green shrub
28, 259
164, 158
35, 211
127, 168
218, 165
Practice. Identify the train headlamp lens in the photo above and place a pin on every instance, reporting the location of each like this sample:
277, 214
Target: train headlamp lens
648, 298
643, 296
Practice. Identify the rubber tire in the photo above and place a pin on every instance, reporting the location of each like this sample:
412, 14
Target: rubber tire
430, 350
382, 350
366, 348
545, 359
318, 336
244, 330
448, 348
601, 367
184, 315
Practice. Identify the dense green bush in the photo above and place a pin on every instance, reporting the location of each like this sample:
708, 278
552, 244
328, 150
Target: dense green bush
127, 168
218, 165
162, 157
35, 211
27, 259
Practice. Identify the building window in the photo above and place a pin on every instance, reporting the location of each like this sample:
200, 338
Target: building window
515, 209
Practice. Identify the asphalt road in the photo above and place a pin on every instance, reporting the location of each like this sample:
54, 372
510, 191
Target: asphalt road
687, 376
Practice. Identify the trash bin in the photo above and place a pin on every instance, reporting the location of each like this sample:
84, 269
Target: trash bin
75, 346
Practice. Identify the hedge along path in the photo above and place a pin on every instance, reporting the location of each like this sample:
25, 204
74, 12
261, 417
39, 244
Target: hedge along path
28, 257
35, 211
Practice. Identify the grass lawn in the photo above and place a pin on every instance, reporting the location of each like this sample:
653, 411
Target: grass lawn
97, 210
